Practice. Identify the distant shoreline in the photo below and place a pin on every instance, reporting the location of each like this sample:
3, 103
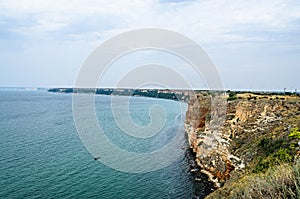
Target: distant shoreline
172, 94
177, 95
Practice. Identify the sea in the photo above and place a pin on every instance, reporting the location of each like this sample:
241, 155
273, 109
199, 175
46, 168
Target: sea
43, 156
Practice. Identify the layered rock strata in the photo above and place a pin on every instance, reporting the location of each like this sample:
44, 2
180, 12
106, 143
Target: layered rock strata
204, 125
222, 134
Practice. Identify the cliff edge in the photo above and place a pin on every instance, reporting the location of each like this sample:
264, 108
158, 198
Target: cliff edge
244, 135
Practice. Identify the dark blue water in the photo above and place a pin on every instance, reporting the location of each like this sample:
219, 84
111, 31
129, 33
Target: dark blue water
43, 157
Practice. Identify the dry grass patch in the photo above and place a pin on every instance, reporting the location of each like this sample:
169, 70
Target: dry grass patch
279, 182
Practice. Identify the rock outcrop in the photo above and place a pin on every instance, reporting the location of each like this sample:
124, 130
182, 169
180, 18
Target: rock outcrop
204, 125
220, 132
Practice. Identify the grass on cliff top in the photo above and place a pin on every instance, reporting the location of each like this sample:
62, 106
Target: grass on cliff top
273, 164
275, 151
268, 96
279, 182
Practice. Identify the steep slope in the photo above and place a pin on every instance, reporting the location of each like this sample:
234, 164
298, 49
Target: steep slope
250, 134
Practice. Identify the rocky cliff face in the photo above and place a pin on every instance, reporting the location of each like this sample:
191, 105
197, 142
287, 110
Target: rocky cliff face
220, 132
209, 141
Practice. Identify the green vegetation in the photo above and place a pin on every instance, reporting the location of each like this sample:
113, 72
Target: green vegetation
276, 151
273, 173
232, 96
279, 182
295, 133
282, 155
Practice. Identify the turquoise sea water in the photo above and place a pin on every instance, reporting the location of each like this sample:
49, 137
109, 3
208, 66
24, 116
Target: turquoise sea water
43, 157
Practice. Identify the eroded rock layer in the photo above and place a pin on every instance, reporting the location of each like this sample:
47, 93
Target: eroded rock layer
217, 129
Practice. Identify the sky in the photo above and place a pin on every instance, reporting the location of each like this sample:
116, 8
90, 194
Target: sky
255, 45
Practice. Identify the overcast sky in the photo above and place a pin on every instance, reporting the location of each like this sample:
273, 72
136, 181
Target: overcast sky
254, 44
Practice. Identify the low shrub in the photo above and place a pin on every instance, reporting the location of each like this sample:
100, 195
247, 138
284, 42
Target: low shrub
282, 181
295, 133
232, 96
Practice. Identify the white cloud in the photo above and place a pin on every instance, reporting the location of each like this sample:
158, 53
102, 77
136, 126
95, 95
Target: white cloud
205, 21
250, 32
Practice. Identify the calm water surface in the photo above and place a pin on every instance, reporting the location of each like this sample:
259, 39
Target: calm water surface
43, 157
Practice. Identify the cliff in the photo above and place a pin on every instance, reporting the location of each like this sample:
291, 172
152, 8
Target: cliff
233, 138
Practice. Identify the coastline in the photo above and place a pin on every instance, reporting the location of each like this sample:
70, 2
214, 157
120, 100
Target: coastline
202, 186
226, 152
255, 136
177, 95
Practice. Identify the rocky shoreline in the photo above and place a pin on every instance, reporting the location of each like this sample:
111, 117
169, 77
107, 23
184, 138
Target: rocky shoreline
202, 185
